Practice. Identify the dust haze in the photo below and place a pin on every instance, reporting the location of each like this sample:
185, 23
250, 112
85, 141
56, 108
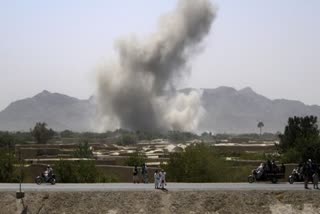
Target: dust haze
136, 91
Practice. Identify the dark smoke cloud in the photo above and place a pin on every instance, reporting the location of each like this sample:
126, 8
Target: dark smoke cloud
137, 91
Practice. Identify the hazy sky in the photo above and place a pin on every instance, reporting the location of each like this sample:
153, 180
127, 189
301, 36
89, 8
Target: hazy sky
272, 46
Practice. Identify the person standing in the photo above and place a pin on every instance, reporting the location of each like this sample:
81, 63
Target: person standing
48, 173
144, 172
315, 178
307, 173
156, 179
135, 175
163, 179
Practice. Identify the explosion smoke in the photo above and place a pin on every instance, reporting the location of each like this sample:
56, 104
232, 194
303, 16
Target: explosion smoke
137, 91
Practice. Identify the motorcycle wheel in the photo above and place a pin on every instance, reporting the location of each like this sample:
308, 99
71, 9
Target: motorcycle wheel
53, 181
38, 180
291, 180
274, 180
251, 179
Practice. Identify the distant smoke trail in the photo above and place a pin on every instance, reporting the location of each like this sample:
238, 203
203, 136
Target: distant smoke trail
137, 91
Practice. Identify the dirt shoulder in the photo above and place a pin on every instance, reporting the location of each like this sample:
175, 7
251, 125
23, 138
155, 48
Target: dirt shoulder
163, 202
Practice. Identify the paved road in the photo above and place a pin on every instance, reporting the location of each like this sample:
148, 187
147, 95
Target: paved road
149, 187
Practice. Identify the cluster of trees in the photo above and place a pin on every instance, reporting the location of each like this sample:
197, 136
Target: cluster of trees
83, 150
7, 158
198, 163
41, 133
82, 171
300, 140
8, 173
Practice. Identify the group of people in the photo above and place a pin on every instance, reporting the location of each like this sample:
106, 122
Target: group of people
269, 167
160, 179
310, 172
144, 174
159, 176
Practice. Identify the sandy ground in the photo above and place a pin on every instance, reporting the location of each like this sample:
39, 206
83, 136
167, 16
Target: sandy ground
157, 201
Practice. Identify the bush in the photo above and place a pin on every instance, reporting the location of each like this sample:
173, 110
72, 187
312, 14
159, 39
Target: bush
198, 163
76, 172
83, 150
81, 172
7, 170
291, 156
66, 171
87, 172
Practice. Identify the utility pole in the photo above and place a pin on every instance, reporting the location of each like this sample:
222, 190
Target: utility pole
20, 194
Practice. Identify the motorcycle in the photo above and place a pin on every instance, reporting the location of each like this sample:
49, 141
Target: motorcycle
296, 176
43, 179
267, 175
273, 177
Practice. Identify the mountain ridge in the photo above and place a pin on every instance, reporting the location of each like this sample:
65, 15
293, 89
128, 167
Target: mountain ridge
227, 111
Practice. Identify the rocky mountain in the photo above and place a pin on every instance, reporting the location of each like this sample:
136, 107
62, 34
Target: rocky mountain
227, 111
239, 111
59, 111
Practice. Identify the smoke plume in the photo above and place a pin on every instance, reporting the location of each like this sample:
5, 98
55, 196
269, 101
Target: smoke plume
137, 90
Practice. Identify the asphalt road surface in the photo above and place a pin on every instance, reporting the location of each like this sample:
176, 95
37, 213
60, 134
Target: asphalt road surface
5, 187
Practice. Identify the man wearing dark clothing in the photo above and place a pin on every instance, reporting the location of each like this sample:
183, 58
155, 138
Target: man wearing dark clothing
144, 172
283, 168
135, 175
274, 167
269, 166
307, 173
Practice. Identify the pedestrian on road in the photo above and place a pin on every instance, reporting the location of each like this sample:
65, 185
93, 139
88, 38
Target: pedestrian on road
307, 173
135, 175
163, 179
144, 172
315, 178
156, 179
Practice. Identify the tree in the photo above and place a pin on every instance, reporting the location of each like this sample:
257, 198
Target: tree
260, 126
66, 171
198, 163
6, 140
7, 158
83, 150
7, 172
41, 133
300, 140
82, 171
